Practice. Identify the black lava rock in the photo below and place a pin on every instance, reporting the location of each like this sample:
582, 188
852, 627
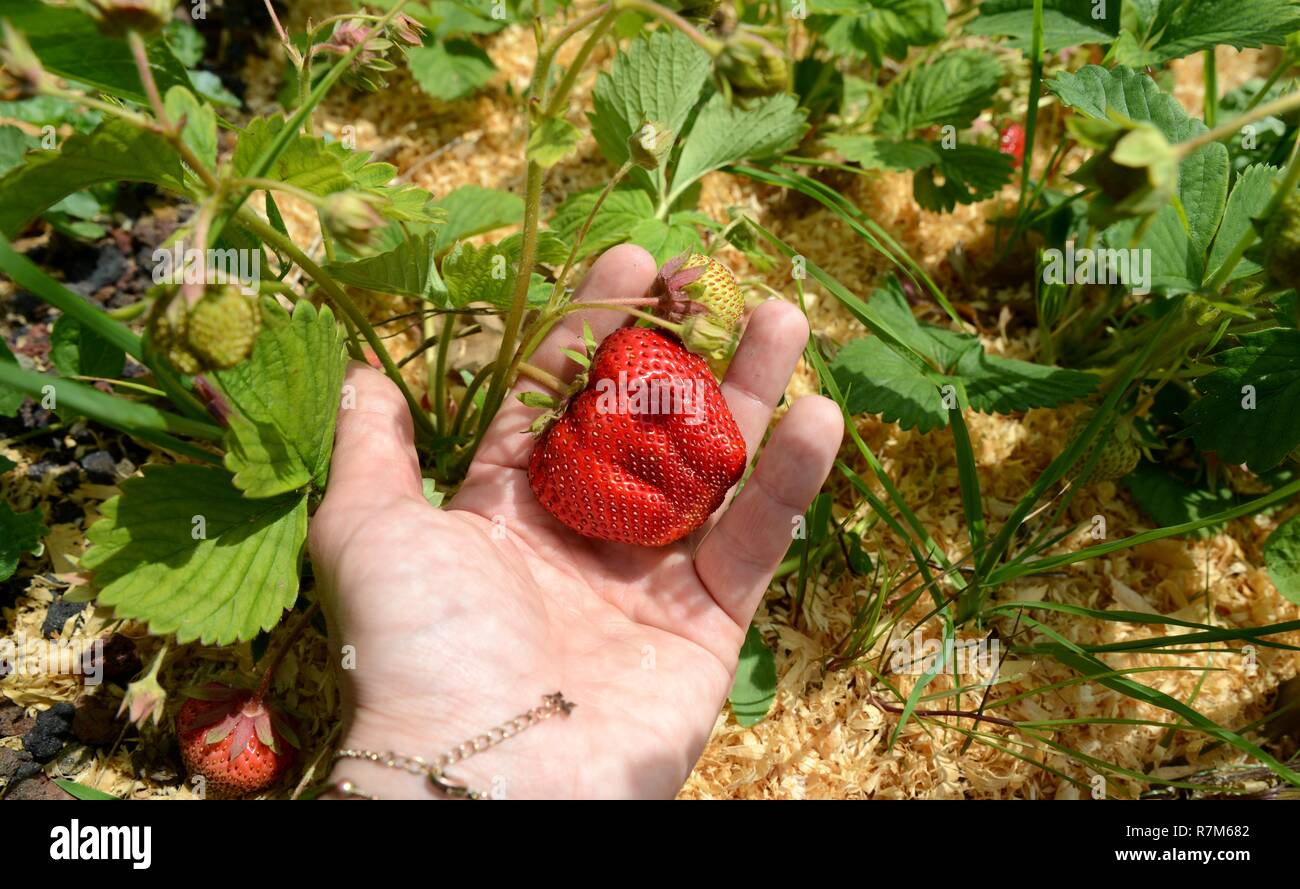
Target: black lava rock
100, 467
52, 729
58, 615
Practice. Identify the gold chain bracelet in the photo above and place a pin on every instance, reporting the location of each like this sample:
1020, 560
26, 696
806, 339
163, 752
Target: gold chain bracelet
434, 772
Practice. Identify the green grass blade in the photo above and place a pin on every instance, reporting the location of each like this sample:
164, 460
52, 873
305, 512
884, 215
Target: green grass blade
131, 417
1078, 660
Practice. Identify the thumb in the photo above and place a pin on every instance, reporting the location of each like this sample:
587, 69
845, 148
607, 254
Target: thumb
374, 443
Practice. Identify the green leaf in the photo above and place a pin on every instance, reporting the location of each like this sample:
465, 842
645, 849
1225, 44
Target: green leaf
552, 141
1066, 23
882, 379
1097, 92
410, 269
622, 211
451, 69
69, 44
1282, 556
20, 532
115, 151
487, 274
10, 399
1176, 265
183, 551
970, 173
951, 89
1249, 198
285, 399
472, 210
724, 133
78, 351
1223, 421
6, 464
884, 154
1203, 176
664, 240
308, 163
14, 143
81, 791
200, 132
997, 385
1169, 498
1188, 26
432, 495
659, 77
754, 688
876, 29
877, 379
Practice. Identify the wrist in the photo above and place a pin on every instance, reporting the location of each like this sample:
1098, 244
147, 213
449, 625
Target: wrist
481, 754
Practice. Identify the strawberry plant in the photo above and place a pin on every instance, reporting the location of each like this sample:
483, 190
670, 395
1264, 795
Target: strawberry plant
1157, 246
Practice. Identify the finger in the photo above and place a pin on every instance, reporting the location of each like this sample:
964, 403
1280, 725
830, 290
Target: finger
374, 442
623, 272
766, 357
738, 557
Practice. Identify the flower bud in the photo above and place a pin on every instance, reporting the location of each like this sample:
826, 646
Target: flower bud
18, 58
145, 698
116, 17
650, 144
1135, 170
350, 219
750, 65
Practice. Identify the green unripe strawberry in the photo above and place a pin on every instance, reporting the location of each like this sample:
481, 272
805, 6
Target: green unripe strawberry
703, 295
1119, 455
222, 326
1282, 243
694, 282
167, 328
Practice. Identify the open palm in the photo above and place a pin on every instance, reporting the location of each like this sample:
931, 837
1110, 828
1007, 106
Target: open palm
453, 621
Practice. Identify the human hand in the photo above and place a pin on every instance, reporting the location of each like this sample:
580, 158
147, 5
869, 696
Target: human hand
461, 618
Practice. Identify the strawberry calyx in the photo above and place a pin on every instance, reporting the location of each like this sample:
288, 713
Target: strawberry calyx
702, 298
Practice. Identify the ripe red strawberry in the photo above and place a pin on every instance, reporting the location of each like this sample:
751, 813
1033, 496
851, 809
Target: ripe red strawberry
646, 451
1012, 141
235, 740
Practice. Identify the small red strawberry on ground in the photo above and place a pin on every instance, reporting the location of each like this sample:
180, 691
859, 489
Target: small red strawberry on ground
235, 740
1011, 140
646, 451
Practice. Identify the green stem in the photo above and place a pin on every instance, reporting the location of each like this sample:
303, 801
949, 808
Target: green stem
339, 297
1211, 88
1276, 108
131, 417
258, 183
1273, 78
558, 290
708, 44
546, 378
440, 372
556, 106
467, 401
1031, 113
289, 131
